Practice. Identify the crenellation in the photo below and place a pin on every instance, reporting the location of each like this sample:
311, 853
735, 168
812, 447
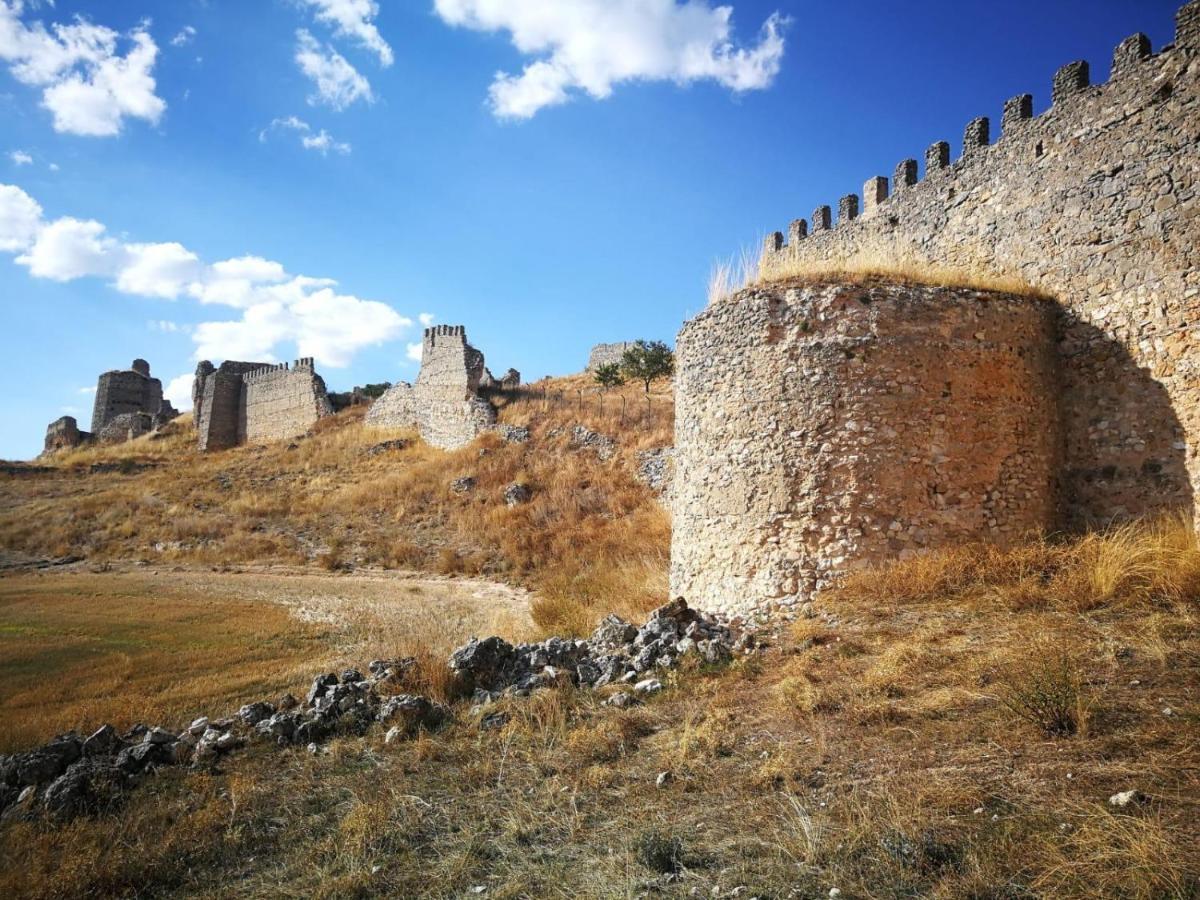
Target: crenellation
797, 231
937, 157
822, 218
1071, 79
847, 209
250, 402
1016, 110
1095, 203
1131, 52
875, 192
774, 241
977, 135
1187, 26
905, 175
444, 404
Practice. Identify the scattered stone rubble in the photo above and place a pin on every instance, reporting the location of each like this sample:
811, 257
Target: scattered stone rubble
72, 775
616, 653
583, 438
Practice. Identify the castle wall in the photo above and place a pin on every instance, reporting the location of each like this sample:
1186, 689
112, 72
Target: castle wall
605, 354
281, 402
443, 404
823, 428
63, 433
120, 392
218, 417
1096, 203
395, 408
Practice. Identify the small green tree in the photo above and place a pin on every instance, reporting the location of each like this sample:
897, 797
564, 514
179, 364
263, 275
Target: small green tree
608, 375
646, 361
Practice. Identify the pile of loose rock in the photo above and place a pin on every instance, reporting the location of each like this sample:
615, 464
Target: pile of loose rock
72, 775
616, 653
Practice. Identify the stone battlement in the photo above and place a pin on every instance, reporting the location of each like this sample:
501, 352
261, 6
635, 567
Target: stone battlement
248, 402
278, 370
444, 404
822, 425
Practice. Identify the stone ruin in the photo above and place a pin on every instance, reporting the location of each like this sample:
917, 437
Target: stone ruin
822, 425
248, 402
129, 403
607, 354
448, 404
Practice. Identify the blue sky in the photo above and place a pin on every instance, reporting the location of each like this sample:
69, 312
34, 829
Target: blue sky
191, 176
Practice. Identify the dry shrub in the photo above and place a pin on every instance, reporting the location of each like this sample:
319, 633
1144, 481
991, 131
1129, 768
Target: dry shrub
1047, 690
608, 738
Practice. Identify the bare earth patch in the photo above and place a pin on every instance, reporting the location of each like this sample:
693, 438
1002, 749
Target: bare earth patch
79, 648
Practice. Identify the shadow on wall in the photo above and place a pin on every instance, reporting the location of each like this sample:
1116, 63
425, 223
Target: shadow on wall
1125, 447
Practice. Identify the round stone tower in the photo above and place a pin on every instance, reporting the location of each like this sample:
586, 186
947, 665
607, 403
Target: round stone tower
141, 367
825, 427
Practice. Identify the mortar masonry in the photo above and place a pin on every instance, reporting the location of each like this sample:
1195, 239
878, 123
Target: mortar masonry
1095, 203
445, 405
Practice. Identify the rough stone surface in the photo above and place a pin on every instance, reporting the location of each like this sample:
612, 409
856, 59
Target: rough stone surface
607, 354
656, 470
130, 391
821, 428
244, 402
1095, 202
444, 404
63, 434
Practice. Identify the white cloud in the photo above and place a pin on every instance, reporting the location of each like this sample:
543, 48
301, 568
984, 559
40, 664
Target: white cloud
68, 248
185, 36
426, 319
158, 270
87, 84
179, 391
165, 326
20, 158
594, 45
276, 307
53, 167
352, 19
413, 351
91, 389
338, 83
20, 219
322, 141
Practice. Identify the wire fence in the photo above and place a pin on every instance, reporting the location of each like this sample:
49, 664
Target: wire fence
629, 408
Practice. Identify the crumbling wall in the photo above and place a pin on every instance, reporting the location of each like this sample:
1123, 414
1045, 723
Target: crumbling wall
280, 402
63, 434
605, 354
1096, 202
828, 427
130, 391
444, 404
126, 427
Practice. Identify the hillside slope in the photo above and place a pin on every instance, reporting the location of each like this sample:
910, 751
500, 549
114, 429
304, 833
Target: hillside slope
591, 538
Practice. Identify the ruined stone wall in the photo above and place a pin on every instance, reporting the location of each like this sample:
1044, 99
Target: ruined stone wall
443, 404
129, 391
1097, 203
604, 354
217, 402
63, 434
280, 402
822, 428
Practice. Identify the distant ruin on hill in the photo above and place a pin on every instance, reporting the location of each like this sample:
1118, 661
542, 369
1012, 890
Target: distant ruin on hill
823, 425
607, 354
448, 404
128, 404
248, 402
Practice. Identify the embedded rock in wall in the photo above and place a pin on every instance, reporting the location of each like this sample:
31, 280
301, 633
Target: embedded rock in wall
1095, 202
125, 427
63, 434
822, 428
243, 402
444, 404
606, 354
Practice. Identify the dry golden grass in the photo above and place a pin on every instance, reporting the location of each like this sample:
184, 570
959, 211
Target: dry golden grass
592, 540
81, 649
884, 262
870, 751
